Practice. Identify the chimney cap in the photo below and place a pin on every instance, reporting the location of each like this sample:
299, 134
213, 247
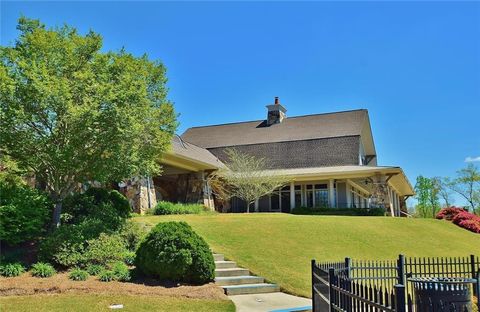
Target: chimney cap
277, 101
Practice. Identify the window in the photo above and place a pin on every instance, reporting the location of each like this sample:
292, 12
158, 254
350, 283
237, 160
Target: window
298, 195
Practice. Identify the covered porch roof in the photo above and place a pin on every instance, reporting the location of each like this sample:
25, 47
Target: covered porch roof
187, 156
396, 176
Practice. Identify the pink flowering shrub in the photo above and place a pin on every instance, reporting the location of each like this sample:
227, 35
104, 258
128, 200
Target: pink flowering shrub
460, 217
467, 221
471, 225
449, 213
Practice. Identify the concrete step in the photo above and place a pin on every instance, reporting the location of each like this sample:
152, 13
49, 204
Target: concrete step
225, 264
250, 289
218, 257
231, 272
239, 280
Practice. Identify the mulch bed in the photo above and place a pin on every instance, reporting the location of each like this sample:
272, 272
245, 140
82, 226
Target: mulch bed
59, 283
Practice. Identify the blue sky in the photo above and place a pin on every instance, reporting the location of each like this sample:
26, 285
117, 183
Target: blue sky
414, 65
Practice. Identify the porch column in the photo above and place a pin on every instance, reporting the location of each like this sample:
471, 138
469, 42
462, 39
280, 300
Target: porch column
292, 195
349, 194
390, 198
331, 194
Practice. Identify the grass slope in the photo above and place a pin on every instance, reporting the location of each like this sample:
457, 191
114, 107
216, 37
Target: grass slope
89, 302
280, 246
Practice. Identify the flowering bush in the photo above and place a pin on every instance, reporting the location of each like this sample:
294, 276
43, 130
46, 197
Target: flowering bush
449, 213
461, 217
465, 215
471, 225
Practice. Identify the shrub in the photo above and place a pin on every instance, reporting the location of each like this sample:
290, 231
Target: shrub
121, 271
42, 269
78, 275
168, 208
129, 258
133, 233
67, 244
465, 215
11, 269
105, 249
24, 213
173, 251
106, 276
339, 211
471, 225
449, 213
111, 207
94, 269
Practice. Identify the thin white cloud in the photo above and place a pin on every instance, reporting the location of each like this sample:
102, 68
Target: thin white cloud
472, 159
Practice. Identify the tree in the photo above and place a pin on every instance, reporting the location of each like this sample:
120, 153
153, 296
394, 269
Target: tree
247, 178
444, 191
467, 185
71, 113
427, 191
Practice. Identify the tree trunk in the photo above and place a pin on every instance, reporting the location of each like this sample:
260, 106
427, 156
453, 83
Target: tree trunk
56, 214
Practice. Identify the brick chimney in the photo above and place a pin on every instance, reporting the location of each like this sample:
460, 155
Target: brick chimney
276, 112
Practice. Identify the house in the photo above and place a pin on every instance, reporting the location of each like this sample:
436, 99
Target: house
329, 158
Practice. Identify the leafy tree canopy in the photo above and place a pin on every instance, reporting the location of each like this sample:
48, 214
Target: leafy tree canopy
71, 113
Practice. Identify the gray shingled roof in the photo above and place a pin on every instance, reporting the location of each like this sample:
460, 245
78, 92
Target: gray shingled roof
349, 123
300, 154
193, 152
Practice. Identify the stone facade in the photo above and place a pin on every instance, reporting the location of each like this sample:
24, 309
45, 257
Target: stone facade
140, 193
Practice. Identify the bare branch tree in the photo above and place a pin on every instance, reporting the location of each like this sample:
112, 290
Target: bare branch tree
467, 185
246, 177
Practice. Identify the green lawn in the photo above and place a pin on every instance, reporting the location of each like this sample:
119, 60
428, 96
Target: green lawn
91, 302
280, 246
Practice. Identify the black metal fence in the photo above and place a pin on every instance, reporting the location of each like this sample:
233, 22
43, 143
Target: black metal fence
359, 285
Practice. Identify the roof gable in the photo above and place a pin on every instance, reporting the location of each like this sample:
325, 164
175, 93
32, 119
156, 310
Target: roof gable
348, 123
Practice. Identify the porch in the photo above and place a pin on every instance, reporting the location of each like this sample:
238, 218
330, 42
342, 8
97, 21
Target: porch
353, 187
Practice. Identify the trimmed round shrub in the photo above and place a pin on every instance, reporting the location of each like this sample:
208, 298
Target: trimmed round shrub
94, 269
78, 275
24, 213
11, 269
42, 269
105, 249
106, 276
173, 251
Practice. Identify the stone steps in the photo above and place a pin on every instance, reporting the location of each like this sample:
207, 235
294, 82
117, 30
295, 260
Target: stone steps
250, 289
225, 264
231, 272
238, 281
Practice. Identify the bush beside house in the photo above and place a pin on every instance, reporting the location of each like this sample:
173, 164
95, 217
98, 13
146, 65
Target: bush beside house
168, 208
173, 251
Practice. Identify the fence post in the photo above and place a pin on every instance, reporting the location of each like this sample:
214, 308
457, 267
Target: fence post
477, 290
348, 264
401, 269
474, 274
313, 285
400, 302
331, 281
